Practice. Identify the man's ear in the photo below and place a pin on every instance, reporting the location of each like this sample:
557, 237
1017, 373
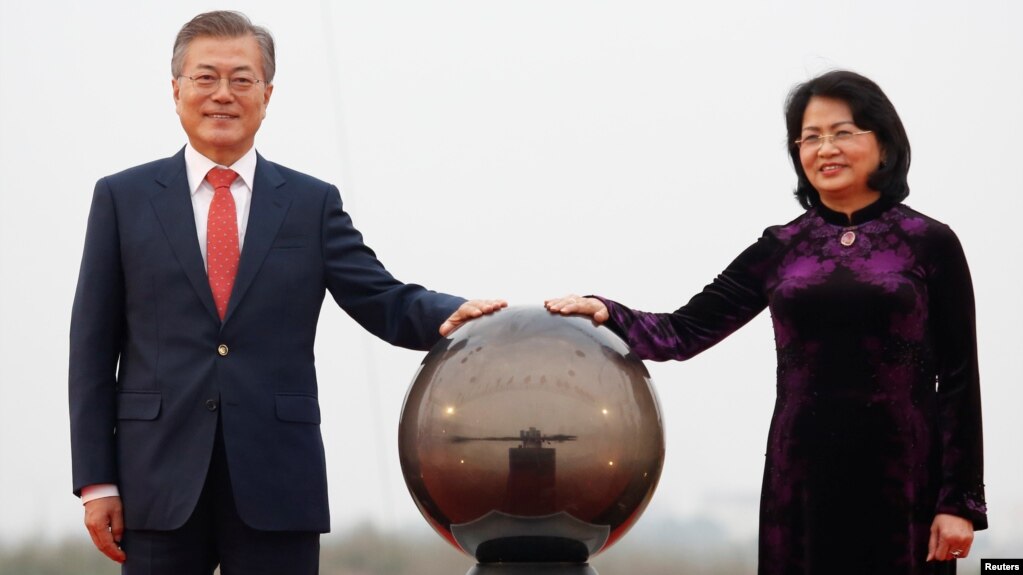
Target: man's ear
175, 91
266, 97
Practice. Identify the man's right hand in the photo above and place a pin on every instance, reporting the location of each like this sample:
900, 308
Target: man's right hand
104, 518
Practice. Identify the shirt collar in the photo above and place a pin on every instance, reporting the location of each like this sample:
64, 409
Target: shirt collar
198, 165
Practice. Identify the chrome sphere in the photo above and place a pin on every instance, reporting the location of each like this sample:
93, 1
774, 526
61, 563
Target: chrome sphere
531, 437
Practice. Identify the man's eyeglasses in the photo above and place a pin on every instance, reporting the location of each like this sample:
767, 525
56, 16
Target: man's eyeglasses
209, 83
838, 138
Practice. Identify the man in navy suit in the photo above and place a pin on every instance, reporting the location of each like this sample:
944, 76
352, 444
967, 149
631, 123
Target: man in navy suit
192, 385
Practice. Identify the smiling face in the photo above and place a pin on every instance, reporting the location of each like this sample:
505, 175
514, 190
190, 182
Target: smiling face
222, 125
838, 170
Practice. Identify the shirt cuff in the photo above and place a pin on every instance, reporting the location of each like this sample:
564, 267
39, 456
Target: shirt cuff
98, 491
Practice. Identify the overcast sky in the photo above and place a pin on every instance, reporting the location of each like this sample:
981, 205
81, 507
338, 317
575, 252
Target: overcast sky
521, 150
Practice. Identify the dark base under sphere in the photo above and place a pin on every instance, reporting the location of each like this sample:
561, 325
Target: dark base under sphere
531, 437
532, 569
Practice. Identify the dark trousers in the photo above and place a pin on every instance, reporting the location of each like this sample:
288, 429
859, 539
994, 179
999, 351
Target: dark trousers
215, 535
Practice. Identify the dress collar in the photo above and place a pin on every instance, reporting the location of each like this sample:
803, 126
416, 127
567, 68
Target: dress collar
860, 216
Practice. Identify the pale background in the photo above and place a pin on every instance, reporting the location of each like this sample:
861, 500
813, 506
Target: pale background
521, 150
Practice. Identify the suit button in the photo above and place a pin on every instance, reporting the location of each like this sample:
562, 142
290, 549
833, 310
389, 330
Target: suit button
222, 350
211, 404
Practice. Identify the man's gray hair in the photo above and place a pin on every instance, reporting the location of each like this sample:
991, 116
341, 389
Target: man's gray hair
224, 24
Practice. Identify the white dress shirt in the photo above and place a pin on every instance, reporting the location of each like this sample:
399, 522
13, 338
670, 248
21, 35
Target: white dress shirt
197, 166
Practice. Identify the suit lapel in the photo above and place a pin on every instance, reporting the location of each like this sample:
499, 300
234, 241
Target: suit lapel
173, 206
266, 214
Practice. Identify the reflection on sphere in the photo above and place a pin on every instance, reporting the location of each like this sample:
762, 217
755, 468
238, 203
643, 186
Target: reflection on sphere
529, 436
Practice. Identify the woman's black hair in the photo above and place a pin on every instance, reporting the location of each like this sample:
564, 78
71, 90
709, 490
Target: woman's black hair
871, 110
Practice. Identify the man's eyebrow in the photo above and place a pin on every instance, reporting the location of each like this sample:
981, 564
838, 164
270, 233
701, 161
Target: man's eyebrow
242, 68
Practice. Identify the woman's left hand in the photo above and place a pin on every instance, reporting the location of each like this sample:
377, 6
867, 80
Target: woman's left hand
951, 538
573, 304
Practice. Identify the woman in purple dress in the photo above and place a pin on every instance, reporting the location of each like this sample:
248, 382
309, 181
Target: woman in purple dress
874, 457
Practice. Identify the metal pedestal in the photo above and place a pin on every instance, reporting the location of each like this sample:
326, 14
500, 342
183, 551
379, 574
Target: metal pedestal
532, 569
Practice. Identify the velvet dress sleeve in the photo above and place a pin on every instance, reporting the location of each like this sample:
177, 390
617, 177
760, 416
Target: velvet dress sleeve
735, 297
953, 325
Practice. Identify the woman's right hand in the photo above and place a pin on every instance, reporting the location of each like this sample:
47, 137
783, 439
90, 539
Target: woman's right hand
573, 304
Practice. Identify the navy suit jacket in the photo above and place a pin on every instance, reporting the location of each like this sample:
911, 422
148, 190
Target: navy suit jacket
152, 366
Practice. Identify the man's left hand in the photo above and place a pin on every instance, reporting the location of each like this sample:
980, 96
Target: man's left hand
471, 309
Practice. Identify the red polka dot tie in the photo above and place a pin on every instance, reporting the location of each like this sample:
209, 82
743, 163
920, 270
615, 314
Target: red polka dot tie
222, 251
